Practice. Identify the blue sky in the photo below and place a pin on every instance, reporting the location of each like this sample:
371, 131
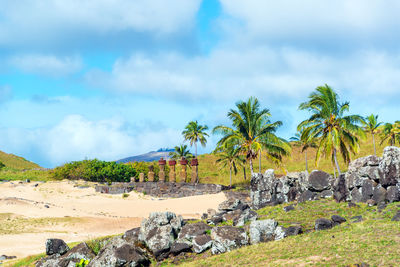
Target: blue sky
110, 79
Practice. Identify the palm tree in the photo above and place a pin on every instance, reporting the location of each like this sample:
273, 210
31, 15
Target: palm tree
304, 142
391, 133
337, 133
370, 126
229, 155
180, 151
253, 130
195, 133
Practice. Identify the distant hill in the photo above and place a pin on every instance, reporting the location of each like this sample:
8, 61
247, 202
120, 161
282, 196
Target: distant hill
148, 157
16, 162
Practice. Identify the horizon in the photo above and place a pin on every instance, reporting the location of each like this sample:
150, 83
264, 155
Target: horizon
113, 80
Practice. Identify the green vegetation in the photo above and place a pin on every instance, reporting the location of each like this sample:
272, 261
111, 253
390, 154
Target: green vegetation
253, 131
15, 162
195, 133
95, 171
375, 240
304, 142
391, 133
370, 126
229, 156
181, 151
335, 132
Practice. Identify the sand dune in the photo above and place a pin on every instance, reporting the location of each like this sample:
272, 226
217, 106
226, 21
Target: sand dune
30, 215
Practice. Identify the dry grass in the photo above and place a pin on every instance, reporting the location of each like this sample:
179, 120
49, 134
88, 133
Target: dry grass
15, 162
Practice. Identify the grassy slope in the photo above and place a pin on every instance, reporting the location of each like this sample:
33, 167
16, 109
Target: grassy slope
376, 240
15, 162
210, 172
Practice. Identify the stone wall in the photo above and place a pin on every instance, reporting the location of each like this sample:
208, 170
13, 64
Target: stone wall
369, 179
162, 189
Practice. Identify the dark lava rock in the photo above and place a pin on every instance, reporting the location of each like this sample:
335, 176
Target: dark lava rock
132, 235
326, 194
319, 180
190, 231
356, 219
226, 238
56, 246
307, 196
201, 243
293, 230
178, 248
336, 219
232, 204
323, 224
340, 189
215, 220
379, 194
288, 208
46, 206
356, 196
393, 193
367, 190
5, 257
396, 217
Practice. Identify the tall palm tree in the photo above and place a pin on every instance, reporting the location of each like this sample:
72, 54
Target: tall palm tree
304, 142
252, 130
180, 151
195, 133
370, 126
229, 155
337, 133
391, 133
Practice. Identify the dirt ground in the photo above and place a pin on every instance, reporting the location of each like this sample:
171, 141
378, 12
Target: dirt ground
29, 215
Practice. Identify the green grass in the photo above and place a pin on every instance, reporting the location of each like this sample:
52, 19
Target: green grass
376, 240
21, 175
16, 162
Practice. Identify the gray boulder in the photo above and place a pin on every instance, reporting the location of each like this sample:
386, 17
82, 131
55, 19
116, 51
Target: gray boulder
264, 231
393, 193
379, 194
231, 204
262, 189
319, 181
355, 195
120, 253
159, 231
227, 238
390, 166
240, 217
293, 230
56, 246
323, 224
201, 243
367, 190
307, 196
336, 219
132, 235
190, 231
178, 248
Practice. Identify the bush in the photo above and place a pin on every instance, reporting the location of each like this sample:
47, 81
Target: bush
2, 165
95, 171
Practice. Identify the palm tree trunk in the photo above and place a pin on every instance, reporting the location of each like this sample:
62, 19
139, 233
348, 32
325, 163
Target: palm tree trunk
334, 172
336, 162
305, 153
259, 162
230, 176
195, 147
244, 172
251, 166
373, 141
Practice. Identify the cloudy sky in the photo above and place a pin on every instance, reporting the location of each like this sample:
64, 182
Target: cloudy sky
109, 79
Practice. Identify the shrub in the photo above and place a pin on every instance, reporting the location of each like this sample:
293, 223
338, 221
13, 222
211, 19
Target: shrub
2, 165
95, 171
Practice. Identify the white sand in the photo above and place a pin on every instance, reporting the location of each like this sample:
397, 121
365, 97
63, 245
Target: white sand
101, 214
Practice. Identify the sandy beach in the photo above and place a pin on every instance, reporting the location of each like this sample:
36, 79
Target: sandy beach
29, 215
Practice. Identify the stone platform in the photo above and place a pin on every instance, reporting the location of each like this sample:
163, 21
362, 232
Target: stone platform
162, 189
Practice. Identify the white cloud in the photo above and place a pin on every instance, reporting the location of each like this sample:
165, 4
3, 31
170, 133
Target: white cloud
28, 20
312, 20
46, 64
76, 138
5, 93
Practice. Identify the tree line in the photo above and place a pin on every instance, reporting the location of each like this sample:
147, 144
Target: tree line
330, 129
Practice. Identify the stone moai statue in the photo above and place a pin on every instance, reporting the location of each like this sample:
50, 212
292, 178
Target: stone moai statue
172, 174
150, 175
183, 175
195, 170
161, 174
141, 177
133, 179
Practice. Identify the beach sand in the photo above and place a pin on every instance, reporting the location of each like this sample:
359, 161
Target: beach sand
29, 215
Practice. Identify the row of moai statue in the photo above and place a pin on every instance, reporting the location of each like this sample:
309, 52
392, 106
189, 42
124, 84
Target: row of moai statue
172, 171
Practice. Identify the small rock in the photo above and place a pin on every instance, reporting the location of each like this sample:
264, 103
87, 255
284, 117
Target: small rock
352, 205
323, 224
178, 248
356, 219
371, 202
5, 257
46, 206
396, 217
288, 208
35, 185
211, 213
201, 243
204, 216
293, 230
56, 246
336, 219
27, 181
326, 194
215, 220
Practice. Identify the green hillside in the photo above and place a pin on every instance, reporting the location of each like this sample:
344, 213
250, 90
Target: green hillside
16, 162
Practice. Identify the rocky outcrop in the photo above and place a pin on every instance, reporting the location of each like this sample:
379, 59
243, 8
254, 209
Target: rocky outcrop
369, 179
159, 232
227, 238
